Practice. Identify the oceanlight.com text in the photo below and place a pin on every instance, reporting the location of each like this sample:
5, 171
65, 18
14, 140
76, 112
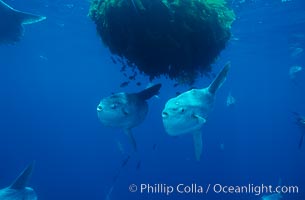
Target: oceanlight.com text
255, 189
194, 188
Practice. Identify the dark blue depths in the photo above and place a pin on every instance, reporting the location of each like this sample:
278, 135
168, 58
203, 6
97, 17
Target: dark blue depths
53, 79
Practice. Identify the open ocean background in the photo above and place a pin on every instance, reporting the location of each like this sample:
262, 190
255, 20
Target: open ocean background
53, 79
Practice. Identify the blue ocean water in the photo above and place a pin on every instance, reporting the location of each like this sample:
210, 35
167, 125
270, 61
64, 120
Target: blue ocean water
53, 79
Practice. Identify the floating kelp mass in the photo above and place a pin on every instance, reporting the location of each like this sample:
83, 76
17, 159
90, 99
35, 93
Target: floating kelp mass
176, 38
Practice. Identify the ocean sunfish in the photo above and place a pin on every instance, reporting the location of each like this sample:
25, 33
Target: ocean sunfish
125, 111
12, 21
187, 112
18, 189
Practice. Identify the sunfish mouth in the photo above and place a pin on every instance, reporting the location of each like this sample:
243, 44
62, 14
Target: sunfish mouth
99, 108
165, 115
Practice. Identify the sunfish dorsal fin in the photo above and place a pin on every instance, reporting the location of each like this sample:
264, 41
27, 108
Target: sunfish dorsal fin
149, 92
23, 17
221, 77
22, 179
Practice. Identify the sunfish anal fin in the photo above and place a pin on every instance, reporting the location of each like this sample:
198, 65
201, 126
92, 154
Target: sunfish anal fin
22, 179
131, 138
197, 137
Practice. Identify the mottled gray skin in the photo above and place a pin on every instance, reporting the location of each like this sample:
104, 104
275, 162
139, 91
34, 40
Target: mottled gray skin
18, 190
12, 21
126, 111
186, 113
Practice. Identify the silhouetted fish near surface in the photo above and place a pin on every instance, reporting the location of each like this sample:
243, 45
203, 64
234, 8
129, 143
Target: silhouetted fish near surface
18, 190
176, 84
113, 60
124, 84
12, 21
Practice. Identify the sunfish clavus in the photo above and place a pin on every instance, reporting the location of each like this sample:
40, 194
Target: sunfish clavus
18, 190
126, 110
187, 112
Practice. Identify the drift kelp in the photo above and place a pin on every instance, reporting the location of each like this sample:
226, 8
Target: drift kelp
176, 38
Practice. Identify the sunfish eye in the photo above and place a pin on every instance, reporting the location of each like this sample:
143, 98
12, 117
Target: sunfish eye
182, 109
113, 106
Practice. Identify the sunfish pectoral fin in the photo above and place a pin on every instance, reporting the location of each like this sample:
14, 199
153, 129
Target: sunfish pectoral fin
219, 80
201, 120
197, 137
131, 138
28, 18
22, 179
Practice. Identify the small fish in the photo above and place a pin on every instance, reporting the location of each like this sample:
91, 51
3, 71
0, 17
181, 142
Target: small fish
129, 63
230, 100
300, 121
123, 69
154, 147
44, 58
124, 84
296, 52
138, 83
176, 84
131, 78
113, 60
294, 70
138, 167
